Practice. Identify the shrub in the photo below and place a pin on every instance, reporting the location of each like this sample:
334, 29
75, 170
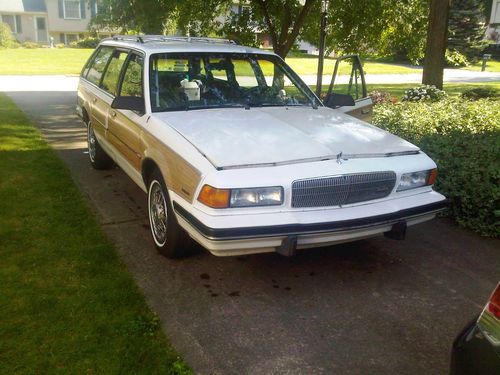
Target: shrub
480, 93
463, 138
6, 38
424, 93
381, 97
89, 42
455, 59
30, 45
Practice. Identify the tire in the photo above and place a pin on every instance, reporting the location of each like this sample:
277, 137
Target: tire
169, 237
97, 156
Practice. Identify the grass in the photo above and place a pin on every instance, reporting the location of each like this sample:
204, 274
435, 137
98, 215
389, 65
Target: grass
310, 66
491, 66
36, 61
68, 304
397, 90
43, 60
452, 89
22, 61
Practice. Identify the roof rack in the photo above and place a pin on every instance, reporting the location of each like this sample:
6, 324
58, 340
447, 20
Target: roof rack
166, 38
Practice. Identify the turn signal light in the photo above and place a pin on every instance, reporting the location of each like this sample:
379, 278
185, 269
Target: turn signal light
494, 303
213, 197
432, 177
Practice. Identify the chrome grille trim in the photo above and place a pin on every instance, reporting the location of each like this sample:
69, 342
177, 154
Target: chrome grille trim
343, 189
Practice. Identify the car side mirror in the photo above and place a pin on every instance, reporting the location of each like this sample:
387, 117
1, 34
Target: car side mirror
339, 100
132, 103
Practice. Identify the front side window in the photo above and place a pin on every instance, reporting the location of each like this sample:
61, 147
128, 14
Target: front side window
98, 65
214, 80
112, 75
72, 9
132, 78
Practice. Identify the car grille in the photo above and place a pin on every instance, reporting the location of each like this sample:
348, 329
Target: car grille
340, 190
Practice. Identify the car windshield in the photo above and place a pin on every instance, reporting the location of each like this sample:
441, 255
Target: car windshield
183, 81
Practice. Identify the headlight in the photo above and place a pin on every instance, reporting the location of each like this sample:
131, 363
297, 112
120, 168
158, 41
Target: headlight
417, 179
246, 197
266, 196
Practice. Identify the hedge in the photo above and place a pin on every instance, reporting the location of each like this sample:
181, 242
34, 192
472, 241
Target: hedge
463, 138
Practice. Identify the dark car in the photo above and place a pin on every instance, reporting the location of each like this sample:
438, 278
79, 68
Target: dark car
476, 350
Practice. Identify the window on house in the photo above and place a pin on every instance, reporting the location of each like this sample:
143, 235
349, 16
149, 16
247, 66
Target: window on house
72, 9
11, 21
245, 9
70, 38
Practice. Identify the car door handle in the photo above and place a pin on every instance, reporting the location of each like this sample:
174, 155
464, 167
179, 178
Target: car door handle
113, 114
94, 100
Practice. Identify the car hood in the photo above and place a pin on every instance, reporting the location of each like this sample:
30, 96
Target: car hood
235, 137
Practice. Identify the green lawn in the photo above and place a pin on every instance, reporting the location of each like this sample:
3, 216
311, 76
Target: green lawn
452, 89
43, 60
310, 66
397, 90
68, 304
491, 66
71, 60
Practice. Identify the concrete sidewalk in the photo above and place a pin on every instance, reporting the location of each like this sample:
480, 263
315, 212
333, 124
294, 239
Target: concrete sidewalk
69, 83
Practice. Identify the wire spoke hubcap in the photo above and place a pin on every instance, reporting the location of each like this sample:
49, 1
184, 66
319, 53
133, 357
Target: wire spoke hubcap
91, 142
158, 213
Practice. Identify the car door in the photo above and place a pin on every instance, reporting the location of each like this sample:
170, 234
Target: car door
99, 100
353, 85
124, 129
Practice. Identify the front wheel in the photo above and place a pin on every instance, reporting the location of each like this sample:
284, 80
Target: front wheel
169, 237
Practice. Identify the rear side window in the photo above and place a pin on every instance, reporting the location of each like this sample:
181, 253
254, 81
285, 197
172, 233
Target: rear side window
132, 79
112, 74
99, 64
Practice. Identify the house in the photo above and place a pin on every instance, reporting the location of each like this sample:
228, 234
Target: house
38, 21
493, 31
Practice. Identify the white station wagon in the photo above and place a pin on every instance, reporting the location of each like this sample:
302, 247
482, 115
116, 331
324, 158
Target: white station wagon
236, 152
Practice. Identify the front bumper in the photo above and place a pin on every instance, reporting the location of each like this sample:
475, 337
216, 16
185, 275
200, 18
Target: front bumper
285, 237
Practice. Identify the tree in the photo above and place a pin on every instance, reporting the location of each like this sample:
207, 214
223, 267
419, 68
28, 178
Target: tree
384, 27
406, 31
436, 43
147, 16
241, 27
466, 27
194, 17
353, 25
282, 20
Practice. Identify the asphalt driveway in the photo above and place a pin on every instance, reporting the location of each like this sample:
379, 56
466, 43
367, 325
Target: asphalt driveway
373, 307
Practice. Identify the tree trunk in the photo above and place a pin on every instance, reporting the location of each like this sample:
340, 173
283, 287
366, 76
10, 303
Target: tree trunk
436, 43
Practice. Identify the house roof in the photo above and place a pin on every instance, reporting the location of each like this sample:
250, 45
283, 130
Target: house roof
22, 6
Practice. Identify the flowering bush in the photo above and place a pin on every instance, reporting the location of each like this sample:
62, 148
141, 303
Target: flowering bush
424, 93
381, 97
463, 138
